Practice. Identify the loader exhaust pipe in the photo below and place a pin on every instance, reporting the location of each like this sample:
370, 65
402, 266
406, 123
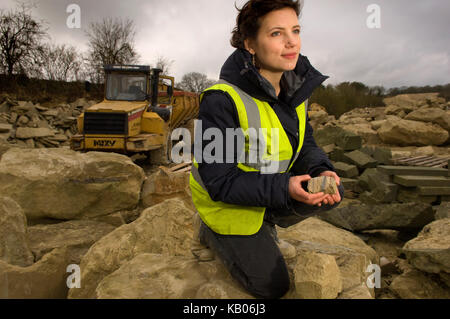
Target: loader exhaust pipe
162, 112
154, 79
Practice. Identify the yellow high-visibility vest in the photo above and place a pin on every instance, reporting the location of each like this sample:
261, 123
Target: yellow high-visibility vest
275, 156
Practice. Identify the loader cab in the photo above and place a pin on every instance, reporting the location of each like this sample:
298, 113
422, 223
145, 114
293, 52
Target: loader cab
127, 83
138, 83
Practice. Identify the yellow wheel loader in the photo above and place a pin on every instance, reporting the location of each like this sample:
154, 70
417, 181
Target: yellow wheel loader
138, 114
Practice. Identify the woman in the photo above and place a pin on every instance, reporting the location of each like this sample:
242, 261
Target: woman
263, 86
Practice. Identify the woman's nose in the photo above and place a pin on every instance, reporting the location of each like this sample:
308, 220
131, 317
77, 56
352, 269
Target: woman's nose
292, 40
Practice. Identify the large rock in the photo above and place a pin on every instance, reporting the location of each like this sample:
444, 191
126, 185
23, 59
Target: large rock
13, 228
382, 155
30, 132
77, 235
46, 279
406, 132
314, 230
358, 217
433, 115
155, 276
430, 251
331, 134
5, 128
63, 184
5, 146
352, 255
417, 285
317, 276
346, 170
411, 194
164, 184
365, 130
385, 193
356, 292
411, 100
443, 211
361, 160
399, 111
319, 117
165, 228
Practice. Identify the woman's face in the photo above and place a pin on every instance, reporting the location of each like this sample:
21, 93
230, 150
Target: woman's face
277, 44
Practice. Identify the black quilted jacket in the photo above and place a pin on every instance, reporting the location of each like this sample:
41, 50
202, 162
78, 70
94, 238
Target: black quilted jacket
224, 181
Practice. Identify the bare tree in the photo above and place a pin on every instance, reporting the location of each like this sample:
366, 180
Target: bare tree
60, 62
164, 64
195, 82
20, 37
111, 41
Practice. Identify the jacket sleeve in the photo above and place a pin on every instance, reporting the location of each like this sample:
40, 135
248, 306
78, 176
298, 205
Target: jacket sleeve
312, 159
223, 180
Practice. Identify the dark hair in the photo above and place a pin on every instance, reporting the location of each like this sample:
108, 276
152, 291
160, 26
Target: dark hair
248, 20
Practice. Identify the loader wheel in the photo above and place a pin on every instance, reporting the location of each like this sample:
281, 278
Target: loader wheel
162, 156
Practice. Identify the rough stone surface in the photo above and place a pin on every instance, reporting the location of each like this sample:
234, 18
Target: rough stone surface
163, 185
155, 276
352, 255
165, 228
443, 211
361, 160
395, 216
76, 235
411, 101
29, 132
356, 292
324, 184
346, 170
406, 132
5, 128
321, 232
13, 228
317, 276
433, 115
327, 135
46, 279
63, 184
365, 131
417, 285
430, 250
411, 194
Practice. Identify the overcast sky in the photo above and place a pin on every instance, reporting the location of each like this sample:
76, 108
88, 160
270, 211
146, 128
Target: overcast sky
411, 47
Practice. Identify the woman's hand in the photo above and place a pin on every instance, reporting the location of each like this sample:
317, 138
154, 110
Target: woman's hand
297, 192
334, 198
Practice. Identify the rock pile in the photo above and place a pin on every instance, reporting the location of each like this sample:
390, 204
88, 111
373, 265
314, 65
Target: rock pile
29, 125
363, 139
130, 232
123, 247
392, 203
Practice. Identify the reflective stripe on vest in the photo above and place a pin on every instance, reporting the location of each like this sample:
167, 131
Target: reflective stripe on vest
277, 157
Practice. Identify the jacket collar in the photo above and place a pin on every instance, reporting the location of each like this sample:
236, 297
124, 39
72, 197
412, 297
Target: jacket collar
297, 85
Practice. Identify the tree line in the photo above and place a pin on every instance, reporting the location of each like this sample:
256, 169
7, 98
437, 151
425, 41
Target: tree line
343, 97
25, 50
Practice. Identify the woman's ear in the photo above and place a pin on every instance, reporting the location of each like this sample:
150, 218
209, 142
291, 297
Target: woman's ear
248, 46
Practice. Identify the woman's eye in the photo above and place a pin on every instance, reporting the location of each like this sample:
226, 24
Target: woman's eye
276, 33
297, 31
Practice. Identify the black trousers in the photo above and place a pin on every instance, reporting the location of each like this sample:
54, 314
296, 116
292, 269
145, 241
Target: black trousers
256, 261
